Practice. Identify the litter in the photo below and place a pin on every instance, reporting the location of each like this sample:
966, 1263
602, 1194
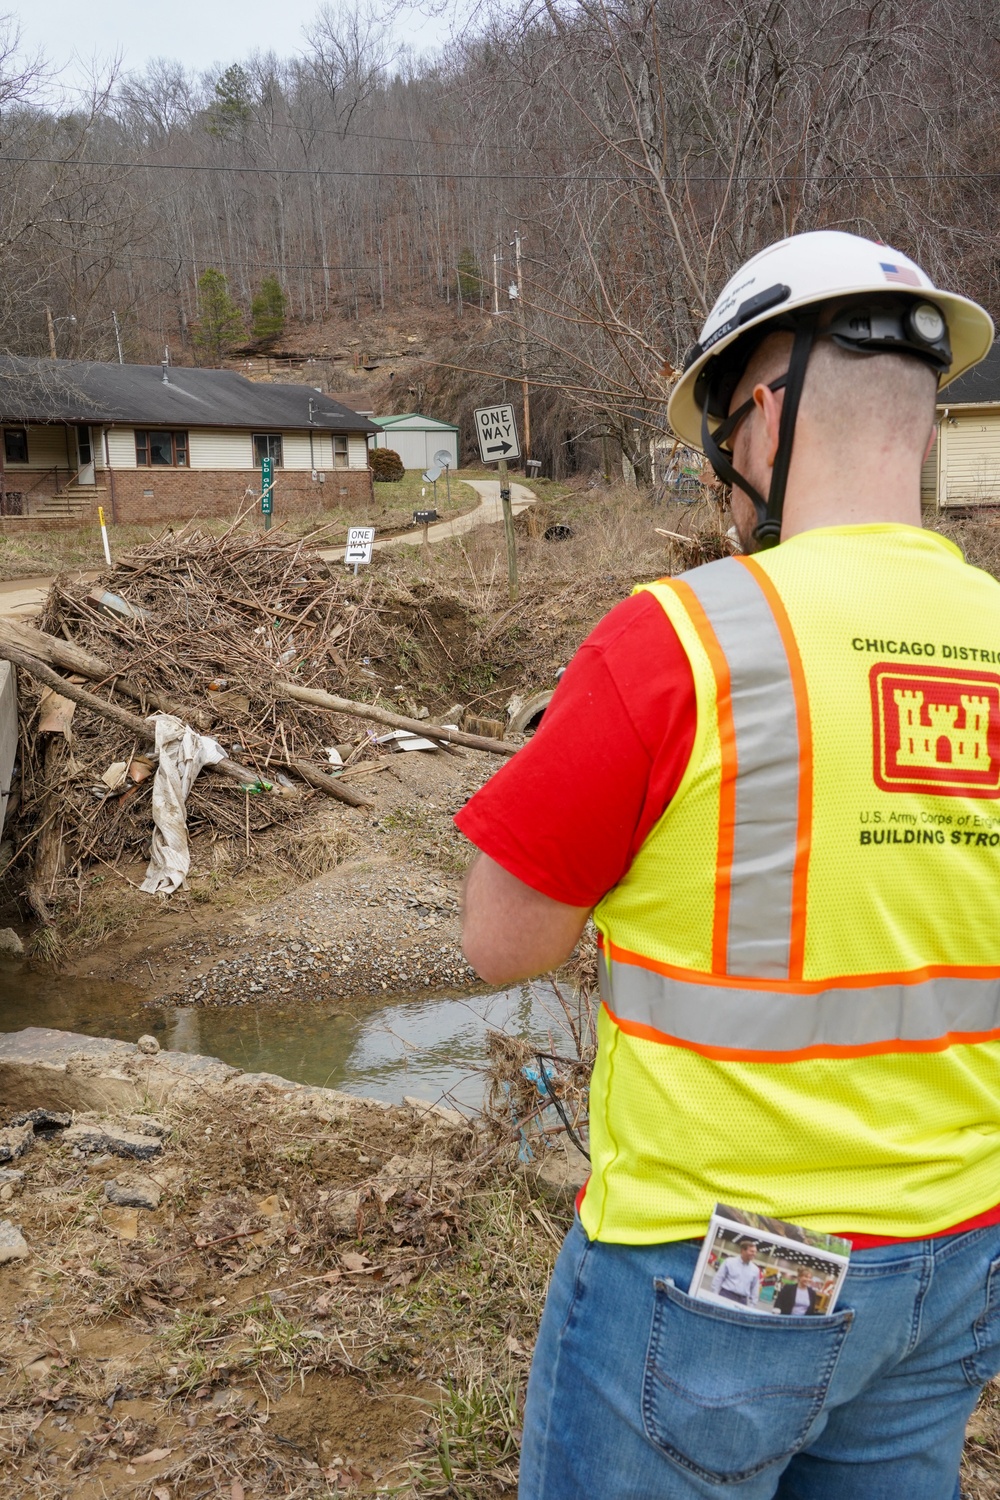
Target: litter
182, 754
403, 739
115, 775
114, 604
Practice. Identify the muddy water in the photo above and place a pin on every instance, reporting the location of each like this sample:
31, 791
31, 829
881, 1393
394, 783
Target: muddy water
432, 1048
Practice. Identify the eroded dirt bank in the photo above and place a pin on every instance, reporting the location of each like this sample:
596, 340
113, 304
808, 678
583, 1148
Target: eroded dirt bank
293, 1292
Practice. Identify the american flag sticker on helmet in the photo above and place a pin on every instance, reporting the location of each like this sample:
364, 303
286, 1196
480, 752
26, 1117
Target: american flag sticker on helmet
902, 275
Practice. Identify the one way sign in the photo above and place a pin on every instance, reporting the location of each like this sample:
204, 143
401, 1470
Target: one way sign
497, 432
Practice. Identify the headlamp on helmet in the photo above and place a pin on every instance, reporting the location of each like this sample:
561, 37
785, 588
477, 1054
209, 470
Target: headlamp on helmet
899, 326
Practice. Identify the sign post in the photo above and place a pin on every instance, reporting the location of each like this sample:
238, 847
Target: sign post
424, 518
267, 490
442, 459
360, 540
496, 430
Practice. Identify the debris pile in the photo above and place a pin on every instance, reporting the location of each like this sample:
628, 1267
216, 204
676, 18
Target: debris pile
237, 637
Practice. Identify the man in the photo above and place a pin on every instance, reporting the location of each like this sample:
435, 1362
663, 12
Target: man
738, 1278
797, 1298
774, 782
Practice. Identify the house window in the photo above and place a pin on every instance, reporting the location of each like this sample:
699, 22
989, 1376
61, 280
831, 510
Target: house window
340, 450
15, 445
155, 449
267, 445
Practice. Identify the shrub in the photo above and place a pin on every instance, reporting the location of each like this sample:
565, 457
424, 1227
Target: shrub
268, 311
220, 322
386, 465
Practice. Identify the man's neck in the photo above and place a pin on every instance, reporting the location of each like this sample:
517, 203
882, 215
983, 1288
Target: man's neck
886, 490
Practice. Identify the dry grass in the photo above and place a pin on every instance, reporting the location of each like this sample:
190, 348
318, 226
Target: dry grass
327, 1301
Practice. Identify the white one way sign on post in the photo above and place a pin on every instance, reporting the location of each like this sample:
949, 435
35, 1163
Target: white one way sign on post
497, 432
359, 546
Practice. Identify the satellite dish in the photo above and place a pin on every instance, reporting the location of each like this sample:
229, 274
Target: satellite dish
431, 475
443, 457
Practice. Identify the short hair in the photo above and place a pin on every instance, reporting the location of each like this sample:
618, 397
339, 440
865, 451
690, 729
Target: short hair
848, 397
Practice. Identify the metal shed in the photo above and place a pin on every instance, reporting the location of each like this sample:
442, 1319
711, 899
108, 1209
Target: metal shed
417, 438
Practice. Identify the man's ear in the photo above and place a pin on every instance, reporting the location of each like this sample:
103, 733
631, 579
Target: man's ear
769, 404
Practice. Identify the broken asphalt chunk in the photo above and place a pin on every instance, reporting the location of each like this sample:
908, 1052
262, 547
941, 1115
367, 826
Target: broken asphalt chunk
133, 1192
42, 1119
13, 1245
15, 1141
91, 1139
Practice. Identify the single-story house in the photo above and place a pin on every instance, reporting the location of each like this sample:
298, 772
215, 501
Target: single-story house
152, 442
417, 438
963, 467
354, 401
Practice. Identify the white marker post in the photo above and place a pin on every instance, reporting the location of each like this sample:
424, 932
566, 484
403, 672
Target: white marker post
104, 535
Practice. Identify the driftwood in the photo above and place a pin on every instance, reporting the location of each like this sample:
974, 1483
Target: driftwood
114, 712
73, 658
49, 857
329, 784
391, 720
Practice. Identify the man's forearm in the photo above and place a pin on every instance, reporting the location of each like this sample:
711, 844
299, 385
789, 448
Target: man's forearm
512, 932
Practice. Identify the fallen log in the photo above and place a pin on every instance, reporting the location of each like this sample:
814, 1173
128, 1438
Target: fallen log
427, 731
73, 658
329, 784
115, 713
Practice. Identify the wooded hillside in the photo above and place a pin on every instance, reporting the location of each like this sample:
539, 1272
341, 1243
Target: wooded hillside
642, 150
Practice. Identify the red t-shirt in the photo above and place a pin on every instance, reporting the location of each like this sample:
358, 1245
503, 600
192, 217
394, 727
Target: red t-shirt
569, 812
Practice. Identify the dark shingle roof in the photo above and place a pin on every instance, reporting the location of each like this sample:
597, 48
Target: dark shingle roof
980, 384
69, 390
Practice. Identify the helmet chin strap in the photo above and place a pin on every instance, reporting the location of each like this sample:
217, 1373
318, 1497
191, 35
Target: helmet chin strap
767, 532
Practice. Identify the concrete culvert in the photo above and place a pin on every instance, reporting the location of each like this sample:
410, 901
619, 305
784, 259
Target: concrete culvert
558, 533
529, 715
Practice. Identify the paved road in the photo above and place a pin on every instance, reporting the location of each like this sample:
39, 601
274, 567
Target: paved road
489, 512
20, 598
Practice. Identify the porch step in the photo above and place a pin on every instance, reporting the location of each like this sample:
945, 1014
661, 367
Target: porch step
71, 503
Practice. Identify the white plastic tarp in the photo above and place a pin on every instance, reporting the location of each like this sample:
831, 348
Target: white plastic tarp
182, 754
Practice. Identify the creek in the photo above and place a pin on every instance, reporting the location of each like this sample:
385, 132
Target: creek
432, 1048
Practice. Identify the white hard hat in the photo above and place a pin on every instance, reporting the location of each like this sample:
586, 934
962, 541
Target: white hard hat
825, 266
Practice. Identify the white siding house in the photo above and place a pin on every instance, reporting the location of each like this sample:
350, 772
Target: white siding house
963, 468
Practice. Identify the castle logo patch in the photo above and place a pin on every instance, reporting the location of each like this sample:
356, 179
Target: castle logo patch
936, 730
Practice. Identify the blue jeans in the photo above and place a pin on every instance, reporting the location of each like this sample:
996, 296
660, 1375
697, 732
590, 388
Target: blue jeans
638, 1392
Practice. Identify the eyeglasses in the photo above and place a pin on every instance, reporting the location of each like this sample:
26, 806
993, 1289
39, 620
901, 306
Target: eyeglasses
726, 429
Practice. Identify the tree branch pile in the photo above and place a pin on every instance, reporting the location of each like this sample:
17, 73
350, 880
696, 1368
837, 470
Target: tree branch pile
215, 630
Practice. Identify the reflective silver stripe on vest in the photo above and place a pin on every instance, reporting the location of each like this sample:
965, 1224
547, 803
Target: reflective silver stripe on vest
743, 1020
767, 779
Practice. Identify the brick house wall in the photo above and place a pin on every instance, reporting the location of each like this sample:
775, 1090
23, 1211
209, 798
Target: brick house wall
147, 496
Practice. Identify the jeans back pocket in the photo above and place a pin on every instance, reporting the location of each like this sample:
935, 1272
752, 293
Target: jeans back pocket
727, 1392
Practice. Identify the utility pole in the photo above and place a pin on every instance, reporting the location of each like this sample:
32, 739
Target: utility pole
524, 345
496, 283
52, 333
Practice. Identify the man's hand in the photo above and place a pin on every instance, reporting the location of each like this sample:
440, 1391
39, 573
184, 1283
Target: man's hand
510, 931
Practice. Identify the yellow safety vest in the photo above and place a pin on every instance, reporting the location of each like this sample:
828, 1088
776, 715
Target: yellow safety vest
801, 969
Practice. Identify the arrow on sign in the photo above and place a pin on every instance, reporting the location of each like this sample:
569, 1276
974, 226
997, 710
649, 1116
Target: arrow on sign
500, 448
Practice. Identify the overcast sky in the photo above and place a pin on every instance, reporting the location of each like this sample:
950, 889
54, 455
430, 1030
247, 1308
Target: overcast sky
193, 32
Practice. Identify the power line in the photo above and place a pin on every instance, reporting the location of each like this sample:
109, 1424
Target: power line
258, 265
149, 166
395, 175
